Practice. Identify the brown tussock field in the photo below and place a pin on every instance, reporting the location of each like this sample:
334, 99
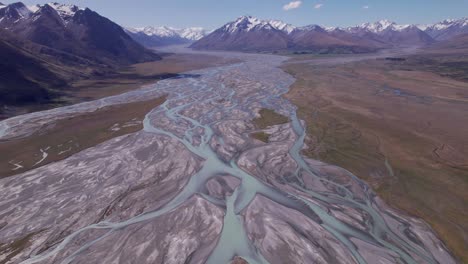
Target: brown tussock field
140, 74
267, 118
400, 126
69, 136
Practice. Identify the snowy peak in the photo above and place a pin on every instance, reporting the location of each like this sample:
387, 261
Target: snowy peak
2, 5
191, 34
163, 36
312, 28
447, 28
18, 11
280, 25
156, 31
249, 23
65, 11
378, 26
445, 24
15, 11
382, 25
244, 23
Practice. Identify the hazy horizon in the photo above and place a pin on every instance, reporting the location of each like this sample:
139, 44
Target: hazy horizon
212, 14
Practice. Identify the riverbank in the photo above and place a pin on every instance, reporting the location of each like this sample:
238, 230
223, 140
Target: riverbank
69, 136
124, 80
399, 125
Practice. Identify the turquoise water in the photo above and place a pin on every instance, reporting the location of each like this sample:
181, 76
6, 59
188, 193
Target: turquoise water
191, 114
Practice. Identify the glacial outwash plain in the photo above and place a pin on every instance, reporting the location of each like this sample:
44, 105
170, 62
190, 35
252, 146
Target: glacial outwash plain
255, 143
195, 166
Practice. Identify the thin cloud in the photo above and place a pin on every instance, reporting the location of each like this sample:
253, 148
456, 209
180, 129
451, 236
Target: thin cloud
366, 7
318, 6
292, 5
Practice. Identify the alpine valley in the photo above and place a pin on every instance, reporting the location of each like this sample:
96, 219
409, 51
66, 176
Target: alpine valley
258, 142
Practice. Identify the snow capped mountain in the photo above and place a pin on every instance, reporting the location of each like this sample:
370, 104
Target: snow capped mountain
77, 31
2, 5
246, 24
280, 25
311, 28
66, 12
193, 33
247, 33
443, 30
447, 28
163, 36
155, 31
249, 23
253, 34
18, 11
378, 27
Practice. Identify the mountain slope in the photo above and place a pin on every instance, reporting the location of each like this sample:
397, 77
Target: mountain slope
447, 29
456, 45
391, 33
45, 47
314, 37
23, 78
252, 34
245, 34
79, 31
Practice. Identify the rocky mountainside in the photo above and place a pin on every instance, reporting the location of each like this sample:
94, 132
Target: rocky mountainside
78, 31
446, 29
252, 34
45, 47
246, 34
163, 36
391, 33
21, 76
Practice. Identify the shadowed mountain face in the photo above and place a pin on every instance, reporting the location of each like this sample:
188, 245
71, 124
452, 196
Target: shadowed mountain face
20, 75
81, 32
318, 39
155, 40
45, 46
409, 36
448, 29
457, 44
246, 34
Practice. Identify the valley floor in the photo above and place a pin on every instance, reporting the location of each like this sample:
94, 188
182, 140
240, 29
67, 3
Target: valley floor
213, 157
126, 79
399, 125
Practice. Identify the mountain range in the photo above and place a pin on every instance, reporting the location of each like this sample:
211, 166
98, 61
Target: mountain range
45, 47
163, 36
78, 31
248, 33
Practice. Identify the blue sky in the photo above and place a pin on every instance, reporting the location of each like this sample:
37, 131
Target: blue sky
214, 13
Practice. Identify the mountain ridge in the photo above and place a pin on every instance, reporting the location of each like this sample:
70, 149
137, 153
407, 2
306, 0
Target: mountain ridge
154, 36
366, 37
46, 47
76, 30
